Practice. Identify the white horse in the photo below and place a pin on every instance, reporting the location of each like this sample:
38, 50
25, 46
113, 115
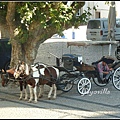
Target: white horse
46, 75
22, 67
41, 74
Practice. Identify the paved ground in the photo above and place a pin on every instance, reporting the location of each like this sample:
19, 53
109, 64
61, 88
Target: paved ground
102, 102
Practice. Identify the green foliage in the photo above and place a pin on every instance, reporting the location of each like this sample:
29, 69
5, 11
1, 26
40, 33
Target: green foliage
107, 2
47, 14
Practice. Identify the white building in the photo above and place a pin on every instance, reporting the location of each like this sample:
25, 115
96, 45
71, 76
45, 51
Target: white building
117, 8
102, 9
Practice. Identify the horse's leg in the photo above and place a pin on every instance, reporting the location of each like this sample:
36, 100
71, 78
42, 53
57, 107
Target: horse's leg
54, 89
40, 95
31, 93
21, 90
35, 93
50, 92
26, 95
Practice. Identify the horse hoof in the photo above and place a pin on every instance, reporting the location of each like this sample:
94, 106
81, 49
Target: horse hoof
25, 99
35, 102
29, 101
54, 98
20, 98
40, 96
49, 98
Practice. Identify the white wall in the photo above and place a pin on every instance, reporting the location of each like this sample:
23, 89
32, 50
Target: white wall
118, 8
102, 8
89, 53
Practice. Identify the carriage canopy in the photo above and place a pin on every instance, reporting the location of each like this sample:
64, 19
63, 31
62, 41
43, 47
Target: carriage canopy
70, 60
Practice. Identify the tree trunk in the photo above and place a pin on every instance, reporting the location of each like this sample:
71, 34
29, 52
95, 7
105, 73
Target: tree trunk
16, 53
30, 49
27, 51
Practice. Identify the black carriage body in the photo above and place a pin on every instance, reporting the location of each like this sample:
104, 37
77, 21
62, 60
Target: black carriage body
5, 53
71, 60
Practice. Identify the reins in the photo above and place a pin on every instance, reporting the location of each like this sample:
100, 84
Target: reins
24, 77
42, 76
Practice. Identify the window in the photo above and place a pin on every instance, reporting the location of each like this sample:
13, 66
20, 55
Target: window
97, 14
105, 24
94, 24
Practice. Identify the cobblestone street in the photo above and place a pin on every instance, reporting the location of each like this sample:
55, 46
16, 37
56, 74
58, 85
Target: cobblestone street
102, 102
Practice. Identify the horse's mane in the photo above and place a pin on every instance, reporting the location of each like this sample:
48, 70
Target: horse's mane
27, 69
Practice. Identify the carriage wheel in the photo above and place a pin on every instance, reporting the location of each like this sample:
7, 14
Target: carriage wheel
84, 86
65, 83
116, 78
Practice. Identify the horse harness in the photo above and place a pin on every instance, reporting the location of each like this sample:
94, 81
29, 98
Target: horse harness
43, 77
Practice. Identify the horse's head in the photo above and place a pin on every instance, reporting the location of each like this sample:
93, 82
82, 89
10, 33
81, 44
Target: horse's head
22, 68
5, 75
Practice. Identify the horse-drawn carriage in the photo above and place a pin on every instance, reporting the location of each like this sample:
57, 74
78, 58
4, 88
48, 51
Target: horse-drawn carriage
69, 77
72, 76
46, 74
75, 72
84, 73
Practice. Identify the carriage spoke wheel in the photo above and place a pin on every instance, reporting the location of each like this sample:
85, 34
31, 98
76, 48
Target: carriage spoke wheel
84, 86
66, 83
116, 78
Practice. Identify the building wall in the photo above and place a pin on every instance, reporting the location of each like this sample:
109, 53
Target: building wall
101, 7
117, 8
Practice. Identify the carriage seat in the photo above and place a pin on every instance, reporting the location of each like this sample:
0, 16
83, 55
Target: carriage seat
97, 73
